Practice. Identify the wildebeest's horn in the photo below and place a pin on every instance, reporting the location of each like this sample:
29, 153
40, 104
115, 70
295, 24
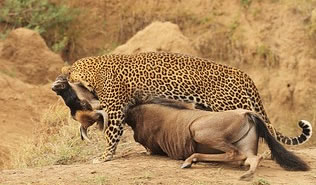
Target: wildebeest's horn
56, 86
103, 125
83, 134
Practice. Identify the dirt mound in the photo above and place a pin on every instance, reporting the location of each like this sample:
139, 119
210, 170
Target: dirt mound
21, 107
26, 55
158, 36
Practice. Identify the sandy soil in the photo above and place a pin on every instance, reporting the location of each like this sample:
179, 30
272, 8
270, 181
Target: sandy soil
132, 165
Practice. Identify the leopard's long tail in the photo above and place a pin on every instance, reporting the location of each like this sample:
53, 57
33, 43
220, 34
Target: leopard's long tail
257, 107
298, 140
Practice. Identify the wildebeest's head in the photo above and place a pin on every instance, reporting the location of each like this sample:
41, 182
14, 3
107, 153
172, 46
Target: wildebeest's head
83, 104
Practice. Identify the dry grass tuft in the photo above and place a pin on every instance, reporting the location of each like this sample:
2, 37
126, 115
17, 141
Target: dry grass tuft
56, 141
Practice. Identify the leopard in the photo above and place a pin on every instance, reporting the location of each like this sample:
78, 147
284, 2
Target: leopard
211, 86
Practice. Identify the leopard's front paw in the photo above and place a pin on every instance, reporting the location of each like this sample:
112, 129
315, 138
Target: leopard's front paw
103, 158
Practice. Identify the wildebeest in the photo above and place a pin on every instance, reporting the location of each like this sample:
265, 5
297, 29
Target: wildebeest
182, 132
83, 105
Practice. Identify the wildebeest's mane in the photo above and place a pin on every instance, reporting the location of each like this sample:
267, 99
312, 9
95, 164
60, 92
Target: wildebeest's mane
132, 109
139, 100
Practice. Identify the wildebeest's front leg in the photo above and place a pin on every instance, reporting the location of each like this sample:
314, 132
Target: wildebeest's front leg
231, 153
227, 156
113, 134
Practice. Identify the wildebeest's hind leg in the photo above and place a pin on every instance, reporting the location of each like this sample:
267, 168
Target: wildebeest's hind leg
253, 162
231, 153
249, 146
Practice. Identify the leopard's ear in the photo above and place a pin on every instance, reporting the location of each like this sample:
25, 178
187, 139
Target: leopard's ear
66, 70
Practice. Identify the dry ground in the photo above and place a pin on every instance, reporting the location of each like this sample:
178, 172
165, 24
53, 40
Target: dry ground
133, 166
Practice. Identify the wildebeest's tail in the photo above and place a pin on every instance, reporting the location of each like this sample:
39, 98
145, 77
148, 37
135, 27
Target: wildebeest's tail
283, 157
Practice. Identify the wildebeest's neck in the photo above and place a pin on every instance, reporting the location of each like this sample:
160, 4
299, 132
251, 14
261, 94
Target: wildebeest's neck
132, 115
71, 100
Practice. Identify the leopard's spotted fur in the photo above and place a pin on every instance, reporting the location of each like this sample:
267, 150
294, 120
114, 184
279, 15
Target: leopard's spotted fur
117, 78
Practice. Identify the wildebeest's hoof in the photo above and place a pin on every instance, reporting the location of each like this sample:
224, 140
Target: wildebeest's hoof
246, 177
186, 165
267, 155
